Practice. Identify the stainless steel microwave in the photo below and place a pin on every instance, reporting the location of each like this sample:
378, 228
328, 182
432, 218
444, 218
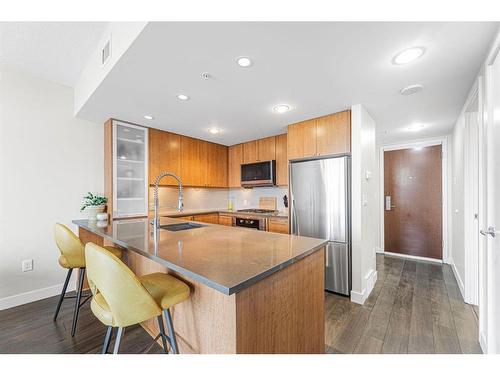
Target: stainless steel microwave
258, 174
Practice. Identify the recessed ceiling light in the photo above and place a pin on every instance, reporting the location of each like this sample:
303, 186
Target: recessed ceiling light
281, 108
183, 97
244, 62
410, 90
148, 117
417, 148
415, 127
214, 130
408, 55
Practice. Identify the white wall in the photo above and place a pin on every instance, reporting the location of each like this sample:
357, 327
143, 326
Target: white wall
365, 203
48, 161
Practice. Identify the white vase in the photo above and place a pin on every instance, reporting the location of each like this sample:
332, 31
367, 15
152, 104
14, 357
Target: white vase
92, 211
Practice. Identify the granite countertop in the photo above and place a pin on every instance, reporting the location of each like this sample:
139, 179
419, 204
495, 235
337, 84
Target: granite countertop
227, 259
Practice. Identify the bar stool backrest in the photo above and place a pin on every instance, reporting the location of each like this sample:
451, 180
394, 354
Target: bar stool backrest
129, 302
69, 245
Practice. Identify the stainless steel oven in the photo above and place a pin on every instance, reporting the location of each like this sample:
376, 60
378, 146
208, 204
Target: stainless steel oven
249, 222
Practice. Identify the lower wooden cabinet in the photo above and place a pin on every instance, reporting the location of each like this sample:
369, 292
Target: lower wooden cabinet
186, 218
277, 225
225, 220
207, 218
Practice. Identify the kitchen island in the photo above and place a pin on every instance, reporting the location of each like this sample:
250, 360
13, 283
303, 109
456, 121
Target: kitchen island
251, 291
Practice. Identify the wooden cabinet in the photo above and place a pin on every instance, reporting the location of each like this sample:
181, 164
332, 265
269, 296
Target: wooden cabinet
235, 159
250, 152
328, 135
225, 220
277, 225
194, 162
164, 155
186, 218
302, 139
217, 160
281, 160
207, 218
333, 134
259, 150
266, 149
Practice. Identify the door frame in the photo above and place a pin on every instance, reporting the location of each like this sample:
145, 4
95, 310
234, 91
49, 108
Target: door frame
424, 142
471, 250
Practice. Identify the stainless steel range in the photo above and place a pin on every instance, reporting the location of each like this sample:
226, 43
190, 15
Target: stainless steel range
250, 218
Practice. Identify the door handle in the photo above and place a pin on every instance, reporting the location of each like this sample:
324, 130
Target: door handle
491, 231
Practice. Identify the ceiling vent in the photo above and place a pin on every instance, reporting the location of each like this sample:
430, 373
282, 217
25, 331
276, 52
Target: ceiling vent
106, 52
410, 90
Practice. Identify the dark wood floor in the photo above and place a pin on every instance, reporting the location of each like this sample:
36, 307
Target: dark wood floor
29, 329
415, 307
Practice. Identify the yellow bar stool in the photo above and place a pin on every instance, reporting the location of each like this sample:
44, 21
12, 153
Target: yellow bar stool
73, 256
121, 299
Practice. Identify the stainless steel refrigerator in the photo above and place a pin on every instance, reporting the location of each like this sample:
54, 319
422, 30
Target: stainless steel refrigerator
320, 207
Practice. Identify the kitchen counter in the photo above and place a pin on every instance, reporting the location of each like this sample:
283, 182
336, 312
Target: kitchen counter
251, 291
189, 212
227, 259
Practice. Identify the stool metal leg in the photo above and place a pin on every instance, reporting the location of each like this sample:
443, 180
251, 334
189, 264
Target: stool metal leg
118, 339
63, 293
107, 340
162, 333
170, 325
77, 302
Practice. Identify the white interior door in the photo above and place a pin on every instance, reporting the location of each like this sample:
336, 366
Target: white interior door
491, 207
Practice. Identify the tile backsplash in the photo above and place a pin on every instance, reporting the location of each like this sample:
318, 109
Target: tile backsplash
249, 198
194, 198
203, 198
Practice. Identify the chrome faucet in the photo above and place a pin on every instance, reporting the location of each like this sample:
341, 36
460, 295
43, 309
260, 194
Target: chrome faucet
180, 207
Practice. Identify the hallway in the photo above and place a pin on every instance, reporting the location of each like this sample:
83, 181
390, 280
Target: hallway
415, 307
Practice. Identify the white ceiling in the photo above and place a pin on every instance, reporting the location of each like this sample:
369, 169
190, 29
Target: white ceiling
56, 51
317, 68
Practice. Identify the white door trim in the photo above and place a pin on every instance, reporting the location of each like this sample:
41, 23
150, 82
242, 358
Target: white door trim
443, 141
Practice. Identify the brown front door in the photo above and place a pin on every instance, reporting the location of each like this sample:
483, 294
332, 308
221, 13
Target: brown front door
413, 222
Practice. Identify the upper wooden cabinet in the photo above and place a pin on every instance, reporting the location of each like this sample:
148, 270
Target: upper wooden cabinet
164, 155
266, 148
333, 134
194, 162
302, 139
259, 150
250, 152
281, 160
234, 166
217, 159
328, 135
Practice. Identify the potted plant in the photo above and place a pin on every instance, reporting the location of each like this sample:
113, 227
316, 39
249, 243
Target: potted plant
93, 204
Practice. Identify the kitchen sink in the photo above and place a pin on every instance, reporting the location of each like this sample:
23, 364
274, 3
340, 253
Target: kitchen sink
181, 226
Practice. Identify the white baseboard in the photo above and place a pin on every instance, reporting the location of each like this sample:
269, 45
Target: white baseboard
379, 250
460, 283
413, 257
358, 297
33, 295
370, 280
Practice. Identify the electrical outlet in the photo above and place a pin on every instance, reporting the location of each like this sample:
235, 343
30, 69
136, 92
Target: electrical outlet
27, 265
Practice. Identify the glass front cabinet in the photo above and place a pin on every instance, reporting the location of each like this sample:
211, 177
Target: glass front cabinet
130, 170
